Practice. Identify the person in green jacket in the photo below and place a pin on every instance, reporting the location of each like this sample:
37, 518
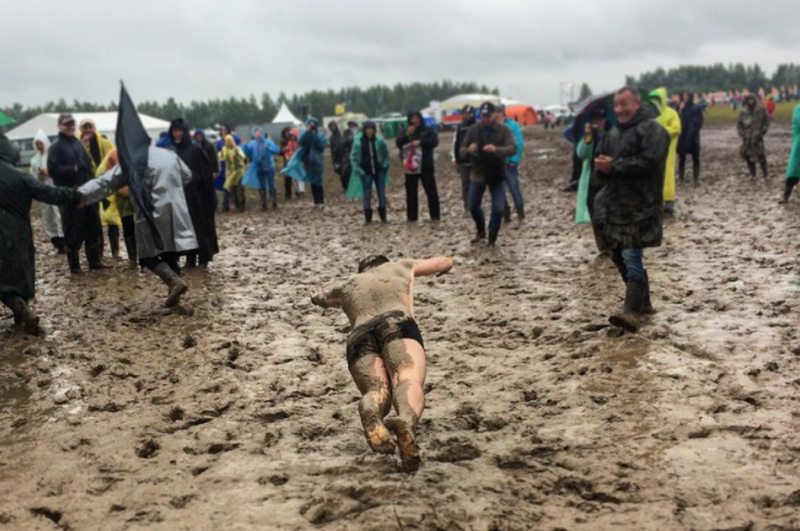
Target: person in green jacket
370, 161
793, 169
17, 254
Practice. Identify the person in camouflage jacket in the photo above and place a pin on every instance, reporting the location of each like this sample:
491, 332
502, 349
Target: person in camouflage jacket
752, 127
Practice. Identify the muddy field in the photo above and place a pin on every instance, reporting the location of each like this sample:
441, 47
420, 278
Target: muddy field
239, 413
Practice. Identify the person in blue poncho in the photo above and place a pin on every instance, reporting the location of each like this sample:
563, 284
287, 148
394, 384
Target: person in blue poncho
370, 163
308, 163
219, 183
261, 173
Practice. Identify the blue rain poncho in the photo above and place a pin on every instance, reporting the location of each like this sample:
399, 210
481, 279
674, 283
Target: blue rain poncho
260, 152
308, 163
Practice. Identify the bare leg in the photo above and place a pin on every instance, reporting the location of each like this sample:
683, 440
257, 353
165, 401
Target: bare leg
371, 378
407, 367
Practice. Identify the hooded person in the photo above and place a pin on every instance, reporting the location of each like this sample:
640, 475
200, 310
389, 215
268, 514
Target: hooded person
261, 173
793, 167
98, 147
370, 162
463, 165
671, 121
50, 217
201, 197
163, 183
288, 148
69, 165
222, 177
234, 161
347, 144
17, 252
417, 143
308, 163
689, 141
336, 141
200, 140
752, 127
586, 148
125, 208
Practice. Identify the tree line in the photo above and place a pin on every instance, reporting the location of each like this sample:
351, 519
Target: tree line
717, 77
373, 101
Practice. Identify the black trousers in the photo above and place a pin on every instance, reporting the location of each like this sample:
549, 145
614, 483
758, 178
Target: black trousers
695, 153
428, 178
319, 194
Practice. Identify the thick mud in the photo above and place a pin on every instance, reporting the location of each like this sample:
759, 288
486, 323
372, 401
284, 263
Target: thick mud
239, 412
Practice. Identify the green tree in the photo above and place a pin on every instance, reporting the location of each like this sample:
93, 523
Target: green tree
585, 91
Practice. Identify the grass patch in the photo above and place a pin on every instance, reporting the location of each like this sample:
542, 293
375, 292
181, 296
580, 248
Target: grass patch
720, 114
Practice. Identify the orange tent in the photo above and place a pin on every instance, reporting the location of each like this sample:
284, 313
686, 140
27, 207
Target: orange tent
522, 114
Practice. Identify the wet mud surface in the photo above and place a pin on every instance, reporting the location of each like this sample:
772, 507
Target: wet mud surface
239, 413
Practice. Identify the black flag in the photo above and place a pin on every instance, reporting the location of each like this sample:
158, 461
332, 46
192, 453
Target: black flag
133, 148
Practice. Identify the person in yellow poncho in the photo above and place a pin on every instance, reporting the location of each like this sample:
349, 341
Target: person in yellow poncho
233, 157
671, 121
98, 147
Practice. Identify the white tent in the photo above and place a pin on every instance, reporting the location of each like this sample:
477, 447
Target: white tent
285, 116
106, 123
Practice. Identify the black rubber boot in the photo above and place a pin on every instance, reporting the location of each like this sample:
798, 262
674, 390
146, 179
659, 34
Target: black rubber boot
130, 247
74, 261
493, 237
177, 287
647, 305
480, 235
94, 256
274, 196
628, 320
242, 192
765, 169
58, 244
191, 260
696, 172
24, 319
287, 188
262, 195
520, 213
507, 214
367, 217
787, 191
752, 167
382, 214
113, 241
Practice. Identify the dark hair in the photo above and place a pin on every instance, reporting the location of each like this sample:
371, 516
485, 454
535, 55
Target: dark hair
372, 261
634, 92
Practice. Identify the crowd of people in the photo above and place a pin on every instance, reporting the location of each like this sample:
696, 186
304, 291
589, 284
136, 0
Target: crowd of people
164, 200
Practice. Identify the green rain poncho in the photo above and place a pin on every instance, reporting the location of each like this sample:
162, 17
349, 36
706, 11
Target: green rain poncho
355, 189
793, 169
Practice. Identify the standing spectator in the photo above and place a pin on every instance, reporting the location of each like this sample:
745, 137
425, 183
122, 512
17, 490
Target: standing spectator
201, 197
69, 166
418, 141
222, 178
793, 168
347, 168
202, 142
370, 162
489, 144
308, 163
125, 208
586, 149
512, 171
336, 140
629, 170
50, 217
234, 160
288, 147
261, 173
463, 165
752, 127
689, 139
672, 123
98, 147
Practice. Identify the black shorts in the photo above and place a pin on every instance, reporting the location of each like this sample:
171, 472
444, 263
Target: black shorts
372, 336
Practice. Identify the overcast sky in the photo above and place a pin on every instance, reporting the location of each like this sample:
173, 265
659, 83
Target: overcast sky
203, 49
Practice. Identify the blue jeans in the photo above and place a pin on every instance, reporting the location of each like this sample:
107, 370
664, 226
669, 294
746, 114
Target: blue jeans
630, 264
512, 181
266, 179
498, 194
380, 184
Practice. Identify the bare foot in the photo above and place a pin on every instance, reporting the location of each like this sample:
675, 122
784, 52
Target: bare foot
409, 451
379, 439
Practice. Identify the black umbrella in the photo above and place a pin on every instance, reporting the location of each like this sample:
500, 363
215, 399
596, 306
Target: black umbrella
133, 148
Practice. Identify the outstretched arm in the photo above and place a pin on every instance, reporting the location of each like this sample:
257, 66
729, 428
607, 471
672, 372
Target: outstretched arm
433, 266
329, 299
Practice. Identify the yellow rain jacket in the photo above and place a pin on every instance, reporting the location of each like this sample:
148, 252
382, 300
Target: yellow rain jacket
671, 121
110, 215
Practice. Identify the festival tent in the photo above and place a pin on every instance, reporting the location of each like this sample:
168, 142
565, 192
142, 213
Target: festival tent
522, 114
448, 112
283, 119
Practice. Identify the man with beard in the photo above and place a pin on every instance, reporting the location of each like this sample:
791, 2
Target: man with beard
463, 165
420, 138
200, 194
752, 127
488, 144
629, 171
69, 166
385, 349
336, 140
17, 253
689, 140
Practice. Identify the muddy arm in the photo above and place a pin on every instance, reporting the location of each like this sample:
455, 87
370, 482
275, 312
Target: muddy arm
329, 299
433, 266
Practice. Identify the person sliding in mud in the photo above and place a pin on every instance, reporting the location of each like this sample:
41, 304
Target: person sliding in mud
629, 172
385, 350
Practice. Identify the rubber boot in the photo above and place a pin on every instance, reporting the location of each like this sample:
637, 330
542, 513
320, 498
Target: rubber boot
787, 191
177, 287
59, 245
94, 257
226, 201
242, 193
481, 234
628, 320
752, 167
262, 195
273, 194
191, 260
130, 247
493, 237
521, 213
367, 217
113, 241
382, 214
647, 305
507, 214
287, 188
765, 169
696, 172
74, 261
24, 318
